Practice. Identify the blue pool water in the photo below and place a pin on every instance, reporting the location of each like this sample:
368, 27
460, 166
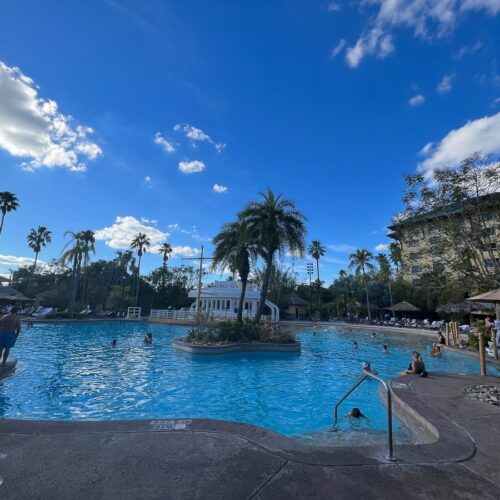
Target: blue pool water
71, 372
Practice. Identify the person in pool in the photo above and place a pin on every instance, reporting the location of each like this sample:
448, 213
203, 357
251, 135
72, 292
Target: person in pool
374, 334
367, 368
416, 367
355, 345
10, 328
385, 349
355, 415
113, 343
148, 338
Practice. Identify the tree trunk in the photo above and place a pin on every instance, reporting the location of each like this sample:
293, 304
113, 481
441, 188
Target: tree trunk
74, 288
390, 291
32, 272
367, 298
244, 281
137, 281
265, 285
1, 223
317, 269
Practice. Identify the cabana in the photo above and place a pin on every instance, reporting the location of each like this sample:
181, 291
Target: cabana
402, 307
8, 294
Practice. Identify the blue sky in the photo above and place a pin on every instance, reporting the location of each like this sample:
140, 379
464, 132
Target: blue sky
167, 117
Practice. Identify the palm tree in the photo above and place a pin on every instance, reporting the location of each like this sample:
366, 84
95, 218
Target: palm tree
274, 224
233, 250
140, 243
165, 250
87, 238
8, 203
316, 251
395, 251
360, 261
73, 255
38, 239
385, 271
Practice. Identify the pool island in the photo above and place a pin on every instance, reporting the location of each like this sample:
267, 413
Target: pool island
181, 344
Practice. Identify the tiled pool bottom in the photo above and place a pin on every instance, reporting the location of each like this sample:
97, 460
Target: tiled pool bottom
71, 372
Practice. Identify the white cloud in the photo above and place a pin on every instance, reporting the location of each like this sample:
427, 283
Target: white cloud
481, 135
33, 128
426, 18
124, 230
195, 134
193, 232
334, 260
468, 50
382, 247
219, 189
145, 220
416, 100
342, 248
334, 7
184, 251
147, 178
495, 102
174, 227
191, 167
12, 260
168, 146
445, 86
338, 48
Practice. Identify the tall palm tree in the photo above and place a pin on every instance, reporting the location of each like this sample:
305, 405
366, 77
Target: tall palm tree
234, 249
360, 261
38, 239
316, 251
165, 250
274, 224
395, 252
8, 203
73, 254
385, 271
140, 244
87, 238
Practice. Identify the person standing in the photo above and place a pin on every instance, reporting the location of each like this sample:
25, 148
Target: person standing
10, 328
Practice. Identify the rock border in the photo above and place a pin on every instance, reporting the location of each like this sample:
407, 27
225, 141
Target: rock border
180, 345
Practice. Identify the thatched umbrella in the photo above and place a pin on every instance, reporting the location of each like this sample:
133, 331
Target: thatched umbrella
463, 308
491, 297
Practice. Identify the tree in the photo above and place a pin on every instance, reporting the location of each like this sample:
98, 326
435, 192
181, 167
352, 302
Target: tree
38, 239
463, 206
274, 224
385, 272
87, 239
140, 244
360, 262
8, 203
165, 250
233, 250
73, 255
395, 253
316, 251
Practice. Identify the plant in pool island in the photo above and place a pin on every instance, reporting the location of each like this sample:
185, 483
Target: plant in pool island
234, 248
274, 224
244, 332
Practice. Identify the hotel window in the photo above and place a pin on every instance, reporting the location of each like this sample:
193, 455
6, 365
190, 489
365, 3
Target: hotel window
413, 243
434, 240
416, 270
416, 282
415, 256
489, 231
489, 262
438, 267
486, 217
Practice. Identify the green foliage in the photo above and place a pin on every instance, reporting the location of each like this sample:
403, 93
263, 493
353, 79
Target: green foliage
232, 332
58, 315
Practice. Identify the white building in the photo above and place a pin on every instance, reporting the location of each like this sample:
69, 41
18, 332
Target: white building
221, 298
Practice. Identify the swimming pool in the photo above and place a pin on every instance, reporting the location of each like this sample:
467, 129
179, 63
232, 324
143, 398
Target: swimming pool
69, 371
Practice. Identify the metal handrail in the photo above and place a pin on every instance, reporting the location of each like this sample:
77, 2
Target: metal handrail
389, 409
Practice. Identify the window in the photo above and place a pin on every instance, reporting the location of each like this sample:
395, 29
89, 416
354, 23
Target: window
489, 231
434, 240
486, 217
417, 282
415, 256
413, 243
416, 270
489, 262
438, 267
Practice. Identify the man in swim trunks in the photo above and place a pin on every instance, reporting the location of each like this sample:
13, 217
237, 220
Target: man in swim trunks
10, 328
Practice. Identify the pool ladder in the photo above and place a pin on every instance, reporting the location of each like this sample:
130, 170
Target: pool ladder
367, 375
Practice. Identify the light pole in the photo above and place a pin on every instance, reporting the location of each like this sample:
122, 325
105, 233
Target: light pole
310, 271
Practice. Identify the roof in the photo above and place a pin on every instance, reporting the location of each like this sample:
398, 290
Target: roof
226, 290
8, 293
403, 307
465, 307
436, 214
297, 301
489, 297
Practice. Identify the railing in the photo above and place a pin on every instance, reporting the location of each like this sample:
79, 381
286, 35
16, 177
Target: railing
189, 314
365, 376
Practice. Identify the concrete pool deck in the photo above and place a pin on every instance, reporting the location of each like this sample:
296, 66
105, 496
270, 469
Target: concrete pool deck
189, 459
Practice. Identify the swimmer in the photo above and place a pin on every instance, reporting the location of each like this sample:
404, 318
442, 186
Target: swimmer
355, 345
356, 414
367, 368
374, 335
148, 338
113, 343
385, 349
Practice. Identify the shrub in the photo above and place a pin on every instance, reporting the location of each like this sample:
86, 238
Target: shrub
58, 315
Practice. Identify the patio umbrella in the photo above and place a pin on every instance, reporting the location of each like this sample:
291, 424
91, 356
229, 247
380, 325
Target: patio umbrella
491, 297
403, 307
